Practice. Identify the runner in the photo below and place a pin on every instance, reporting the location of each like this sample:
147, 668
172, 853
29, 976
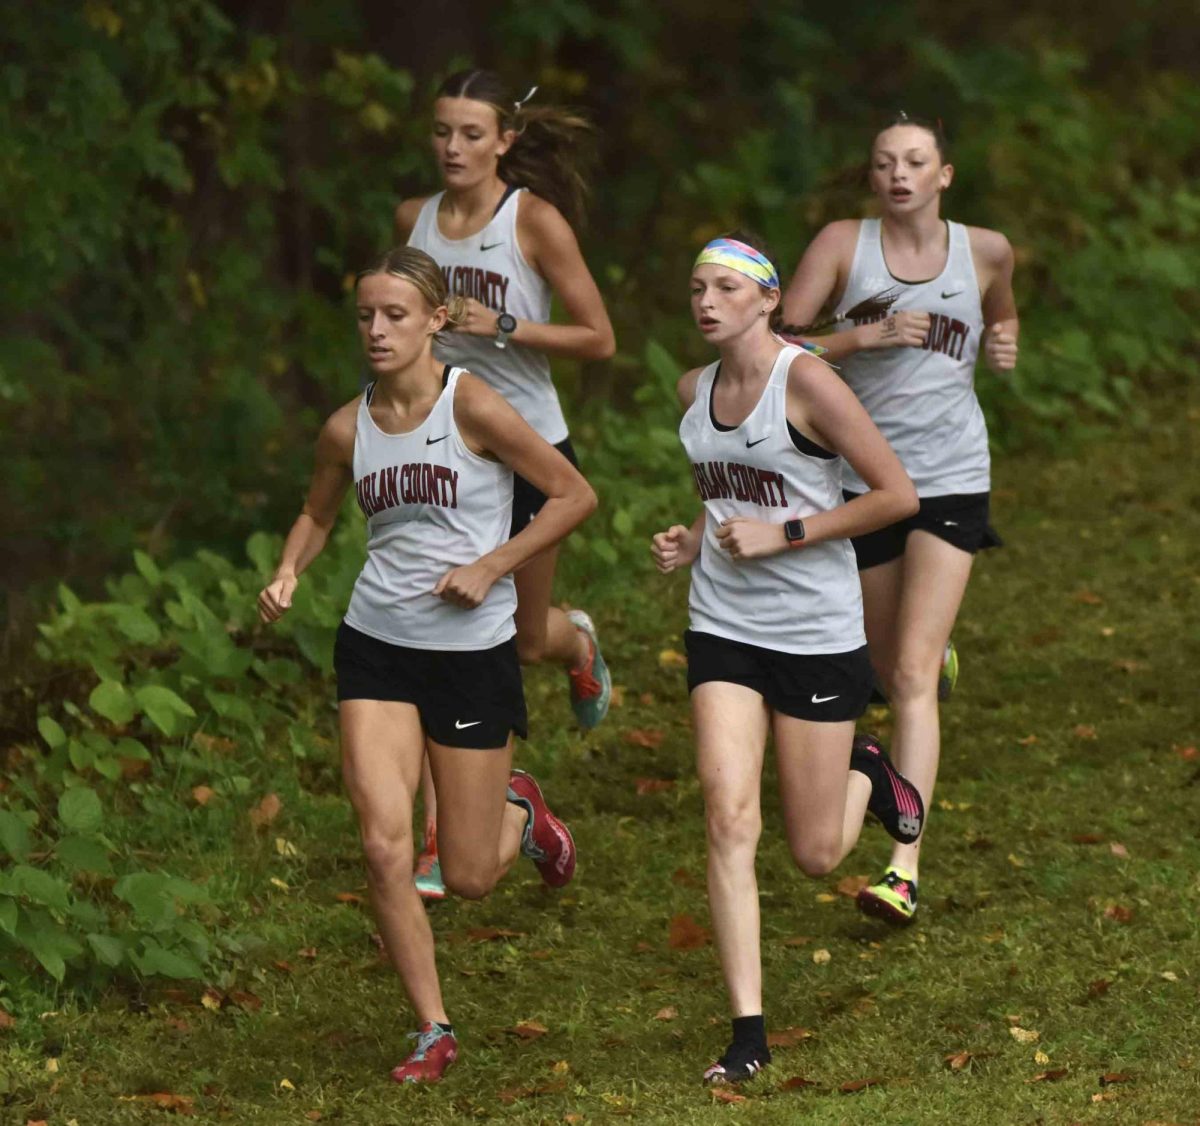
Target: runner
426, 659
912, 294
776, 640
501, 230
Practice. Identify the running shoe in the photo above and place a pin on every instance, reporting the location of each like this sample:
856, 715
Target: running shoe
893, 898
436, 1050
591, 685
741, 1061
547, 841
428, 872
948, 677
894, 799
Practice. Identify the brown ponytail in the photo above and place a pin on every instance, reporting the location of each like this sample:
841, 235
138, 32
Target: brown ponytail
553, 144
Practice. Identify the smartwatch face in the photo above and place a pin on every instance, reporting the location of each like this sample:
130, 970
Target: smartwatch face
794, 530
506, 322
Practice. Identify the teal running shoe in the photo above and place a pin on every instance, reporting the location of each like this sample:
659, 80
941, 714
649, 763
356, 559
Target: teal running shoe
428, 873
591, 685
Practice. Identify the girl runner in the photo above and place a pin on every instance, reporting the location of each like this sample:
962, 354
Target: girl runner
501, 230
425, 659
776, 637
912, 294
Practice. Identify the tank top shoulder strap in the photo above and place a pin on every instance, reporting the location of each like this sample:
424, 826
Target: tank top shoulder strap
426, 223
868, 251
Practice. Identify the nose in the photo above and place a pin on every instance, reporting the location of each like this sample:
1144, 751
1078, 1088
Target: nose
376, 328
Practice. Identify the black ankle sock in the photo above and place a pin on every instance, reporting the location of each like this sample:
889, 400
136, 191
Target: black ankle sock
750, 1031
447, 1027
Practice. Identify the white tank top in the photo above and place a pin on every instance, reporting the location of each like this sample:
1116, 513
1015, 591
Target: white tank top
803, 600
490, 267
431, 504
922, 399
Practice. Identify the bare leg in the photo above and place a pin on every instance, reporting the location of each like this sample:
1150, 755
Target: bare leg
935, 578
544, 633
731, 729
824, 801
382, 748
429, 802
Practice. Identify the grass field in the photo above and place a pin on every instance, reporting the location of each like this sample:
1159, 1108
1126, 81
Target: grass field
1058, 939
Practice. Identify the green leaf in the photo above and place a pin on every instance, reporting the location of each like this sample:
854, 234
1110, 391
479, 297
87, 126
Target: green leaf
51, 731
147, 568
69, 601
8, 915
47, 942
14, 835
80, 809
83, 854
39, 886
81, 754
155, 959
622, 522
162, 706
107, 767
136, 624
108, 949
113, 702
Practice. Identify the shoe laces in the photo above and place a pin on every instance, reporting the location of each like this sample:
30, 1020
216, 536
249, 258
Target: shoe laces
425, 1038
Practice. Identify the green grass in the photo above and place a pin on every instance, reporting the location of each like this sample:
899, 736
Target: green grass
1079, 643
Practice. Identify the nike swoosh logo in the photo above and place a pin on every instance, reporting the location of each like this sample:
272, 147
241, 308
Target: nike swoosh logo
434, 441
460, 726
492, 246
954, 293
950, 523
822, 699
751, 445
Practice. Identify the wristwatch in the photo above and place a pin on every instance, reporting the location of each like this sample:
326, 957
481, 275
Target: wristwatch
794, 530
506, 325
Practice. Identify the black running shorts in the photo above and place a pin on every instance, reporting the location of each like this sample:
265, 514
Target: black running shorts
960, 519
823, 687
465, 697
528, 501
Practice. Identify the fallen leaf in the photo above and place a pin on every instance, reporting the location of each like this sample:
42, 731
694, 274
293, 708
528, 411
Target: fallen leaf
1084, 731
266, 811
491, 934
284, 967
309, 952
797, 1083
1128, 666
1118, 914
1119, 850
797, 940
1015, 860
956, 1061
1111, 1077
1051, 1076
313, 1115
860, 1085
672, 659
287, 1085
52, 1065
1024, 1035
1027, 741
1099, 987
280, 884
529, 1029
285, 847
245, 1001
787, 1037
646, 786
852, 885
825, 897
561, 1067
687, 934
1169, 975
163, 1100
1040, 1058
646, 737
1087, 838
212, 999
179, 1024
1104, 1096
202, 795
1107, 631
616, 698
1087, 598
724, 1095
822, 957
643, 948
667, 1013
348, 897
572, 1118
1188, 754
7, 1020
684, 878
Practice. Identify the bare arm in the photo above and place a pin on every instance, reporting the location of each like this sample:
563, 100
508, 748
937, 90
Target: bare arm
406, 218
819, 282
819, 403
331, 478
994, 264
490, 425
679, 545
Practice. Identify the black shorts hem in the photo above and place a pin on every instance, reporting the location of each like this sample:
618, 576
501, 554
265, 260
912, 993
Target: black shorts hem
816, 687
959, 519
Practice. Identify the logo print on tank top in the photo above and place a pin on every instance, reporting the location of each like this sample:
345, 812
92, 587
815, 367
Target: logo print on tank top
487, 286
726, 480
417, 482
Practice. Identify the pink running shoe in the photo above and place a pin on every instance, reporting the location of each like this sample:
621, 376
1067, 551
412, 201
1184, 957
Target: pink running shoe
436, 1050
547, 841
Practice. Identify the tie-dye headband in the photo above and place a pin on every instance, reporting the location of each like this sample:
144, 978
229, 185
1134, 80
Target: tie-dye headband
738, 256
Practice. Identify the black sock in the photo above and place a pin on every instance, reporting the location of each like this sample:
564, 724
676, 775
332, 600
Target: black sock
447, 1027
751, 1031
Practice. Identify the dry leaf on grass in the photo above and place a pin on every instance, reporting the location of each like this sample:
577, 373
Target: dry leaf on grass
528, 1029
212, 999
1099, 987
686, 934
646, 786
797, 1083
348, 897
724, 1095
1084, 731
491, 934
163, 1100
308, 952
266, 811
202, 795
1027, 741
7, 1020
797, 940
1087, 839
1188, 754
787, 1037
647, 737
852, 885
1118, 914
672, 659
1024, 1035
245, 1001
1087, 598
670, 1012
822, 957
1052, 1076
956, 1061
1111, 1077
1119, 850
855, 1085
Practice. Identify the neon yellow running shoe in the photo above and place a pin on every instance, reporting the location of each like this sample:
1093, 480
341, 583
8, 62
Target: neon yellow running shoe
893, 898
948, 677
